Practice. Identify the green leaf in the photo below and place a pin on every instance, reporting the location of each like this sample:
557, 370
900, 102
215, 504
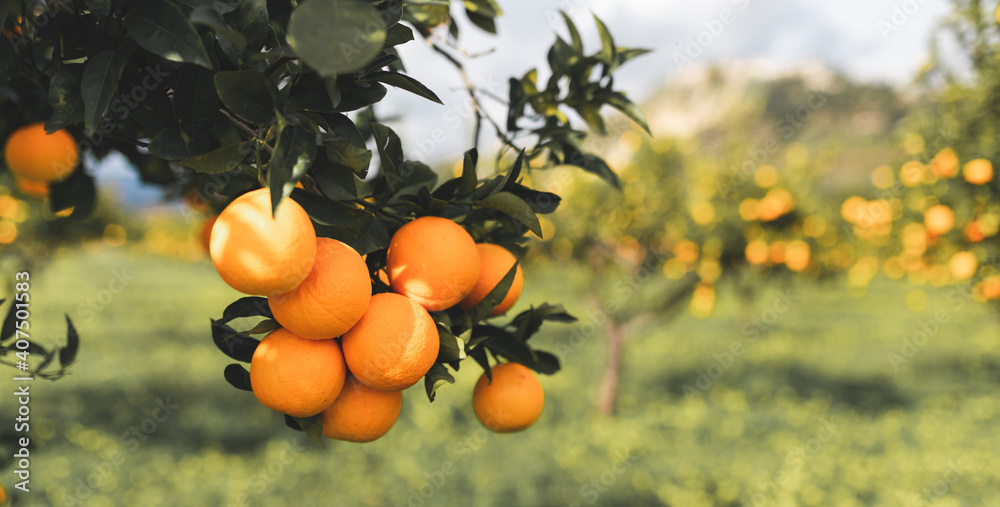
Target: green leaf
9, 323
232, 343
485, 23
251, 306
435, 378
406, 83
78, 192
247, 93
224, 159
452, 347
67, 354
294, 152
349, 155
483, 7
313, 426
591, 114
9, 61
161, 28
209, 17
574, 34
102, 7
264, 327
479, 355
336, 181
64, 97
618, 101
590, 163
238, 377
485, 307
336, 36
390, 152
607, 54
426, 14
516, 208
398, 34
327, 212
250, 18
169, 145
99, 84
196, 102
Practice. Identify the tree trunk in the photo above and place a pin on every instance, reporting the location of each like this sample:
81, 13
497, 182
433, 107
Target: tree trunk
609, 386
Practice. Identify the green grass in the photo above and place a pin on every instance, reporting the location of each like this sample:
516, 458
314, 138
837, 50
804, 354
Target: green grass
823, 359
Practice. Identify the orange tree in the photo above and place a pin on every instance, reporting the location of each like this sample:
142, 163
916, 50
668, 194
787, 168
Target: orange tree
220, 98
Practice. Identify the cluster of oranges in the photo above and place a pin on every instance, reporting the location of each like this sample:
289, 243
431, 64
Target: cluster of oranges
343, 352
37, 158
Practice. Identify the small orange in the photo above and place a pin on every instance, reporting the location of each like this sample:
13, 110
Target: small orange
797, 254
978, 171
296, 376
963, 265
260, 255
33, 188
434, 262
331, 299
33, 154
393, 345
494, 262
360, 413
511, 402
939, 219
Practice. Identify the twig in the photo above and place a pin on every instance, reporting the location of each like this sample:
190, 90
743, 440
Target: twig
246, 129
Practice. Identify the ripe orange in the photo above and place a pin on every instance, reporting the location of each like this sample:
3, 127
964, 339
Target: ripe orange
434, 262
945, 163
963, 265
973, 232
393, 345
511, 402
978, 171
260, 255
33, 188
939, 219
33, 154
331, 299
296, 376
206, 231
494, 262
360, 413
797, 255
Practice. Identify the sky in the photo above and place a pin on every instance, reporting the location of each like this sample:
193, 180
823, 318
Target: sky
871, 41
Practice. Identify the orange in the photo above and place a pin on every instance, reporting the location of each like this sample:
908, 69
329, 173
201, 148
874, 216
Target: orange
494, 262
206, 231
797, 254
260, 255
360, 413
511, 402
939, 219
945, 163
973, 233
963, 265
978, 171
3, 495
33, 188
296, 376
33, 154
434, 262
393, 345
331, 299
757, 252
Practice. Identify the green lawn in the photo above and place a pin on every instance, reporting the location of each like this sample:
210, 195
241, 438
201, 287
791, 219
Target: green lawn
811, 411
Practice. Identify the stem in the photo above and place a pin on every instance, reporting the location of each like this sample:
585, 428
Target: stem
246, 129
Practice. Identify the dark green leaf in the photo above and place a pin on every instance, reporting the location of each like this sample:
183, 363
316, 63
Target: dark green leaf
390, 152
293, 154
516, 208
348, 154
313, 426
484, 7
327, 212
78, 192
623, 104
224, 159
247, 93
64, 97
336, 181
233, 344
9, 60
540, 202
590, 163
435, 378
486, 23
544, 363
336, 36
406, 83
607, 53
251, 306
452, 347
9, 324
250, 19
208, 16
503, 343
161, 28
479, 355
196, 102
398, 34
99, 84
264, 327
574, 34
169, 145
484, 308
238, 377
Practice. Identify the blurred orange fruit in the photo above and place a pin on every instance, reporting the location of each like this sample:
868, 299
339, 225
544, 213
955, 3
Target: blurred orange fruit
434, 262
945, 163
513, 401
33, 188
978, 171
260, 255
393, 345
494, 262
360, 413
963, 265
797, 255
331, 299
33, 154
939, 219
296, 376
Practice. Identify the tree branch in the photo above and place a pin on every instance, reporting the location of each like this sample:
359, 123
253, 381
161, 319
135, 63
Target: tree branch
246, 129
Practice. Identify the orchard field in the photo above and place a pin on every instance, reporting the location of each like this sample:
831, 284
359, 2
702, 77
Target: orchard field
820, 363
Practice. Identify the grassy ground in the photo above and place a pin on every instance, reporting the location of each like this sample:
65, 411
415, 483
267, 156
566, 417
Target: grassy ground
809, 411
